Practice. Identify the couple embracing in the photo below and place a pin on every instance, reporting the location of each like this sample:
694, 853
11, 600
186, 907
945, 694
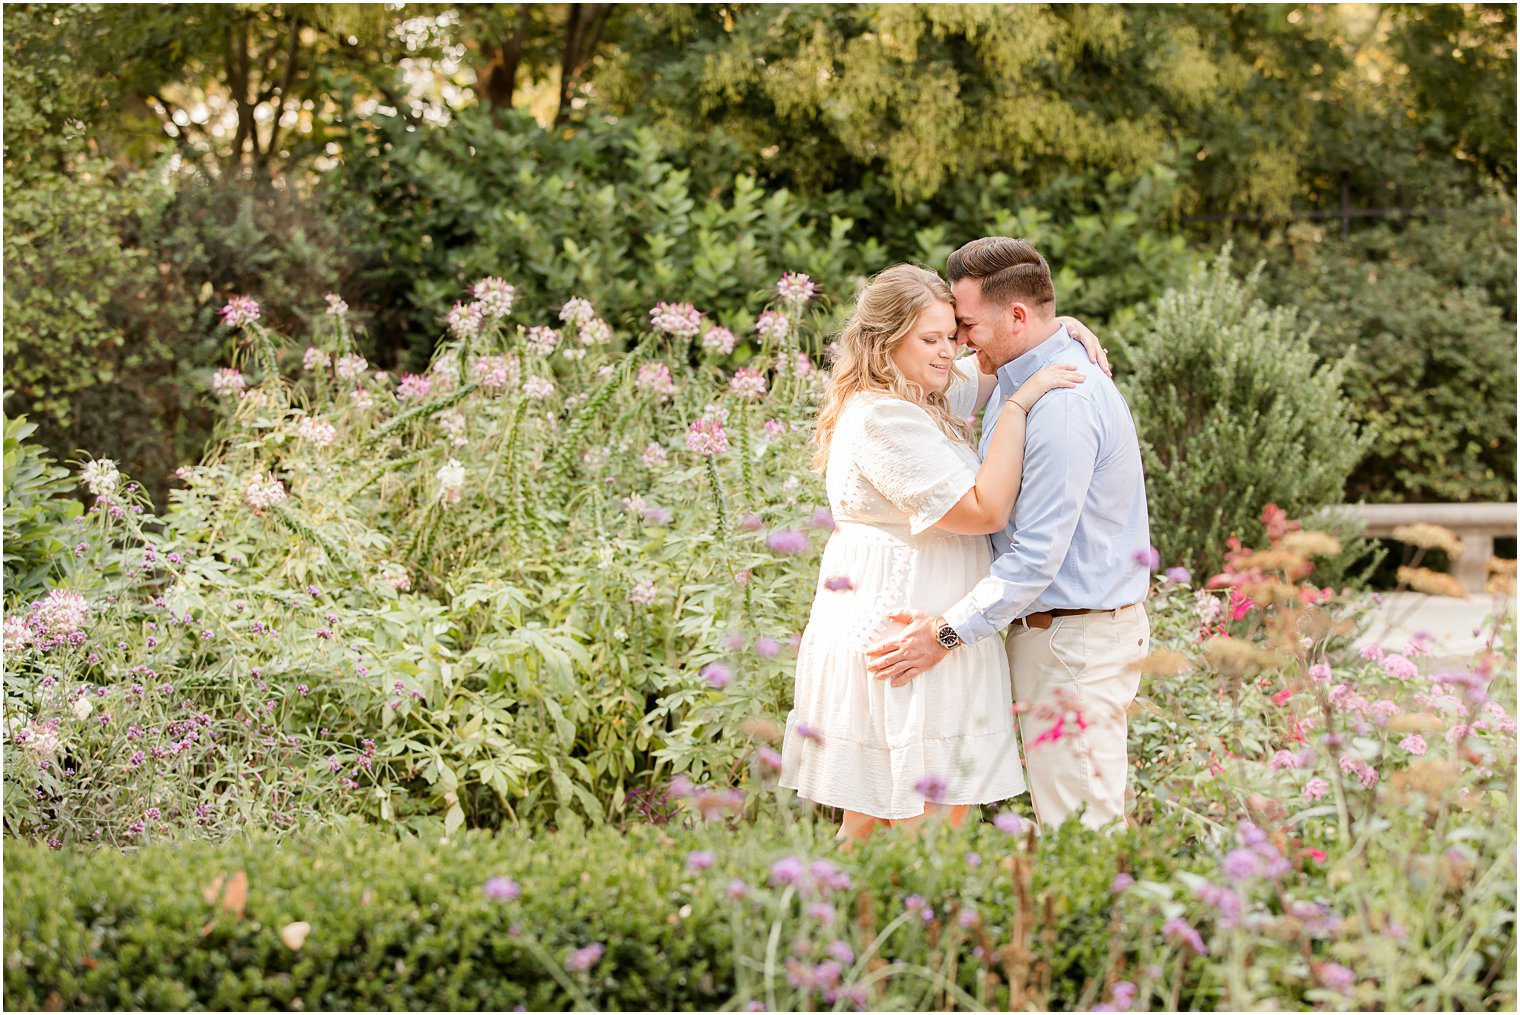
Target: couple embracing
906, 692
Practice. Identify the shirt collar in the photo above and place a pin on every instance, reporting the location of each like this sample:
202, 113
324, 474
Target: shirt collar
1015, 372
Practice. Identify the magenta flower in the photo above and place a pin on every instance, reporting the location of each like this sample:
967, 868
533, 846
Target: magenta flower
768, 759
1121, 883
823, 518
838, 583
1148, 558
1335, 976
699, 860
931, 788
240, 311
787, 541
1180, 575
751, 523
583, 959
1315, 788
717, 675
787, 871
1179, 929
679, 320
1008, 822
707, 437
1399, 667
796, 288
737, 889
502, 889
748, 384
767, 648
807, 732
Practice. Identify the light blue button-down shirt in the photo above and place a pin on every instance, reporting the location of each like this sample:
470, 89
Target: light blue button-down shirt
1079, 528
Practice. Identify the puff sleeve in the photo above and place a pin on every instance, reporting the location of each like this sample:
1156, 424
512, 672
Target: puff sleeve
911, 462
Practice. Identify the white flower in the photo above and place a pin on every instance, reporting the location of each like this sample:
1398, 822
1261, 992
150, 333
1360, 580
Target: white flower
101, 477
317, 431
465, 319
61, 612
82, 708
643, 593
363, 399
351, 366
494, 297
795, 288
772, 326
595, 332
680, 320
451, 482
17, 634
40, 740
335, 305
720, 340
228, 382
315, 358
537, 388
577, 312
748, 384
263, 491
654, 456
542, 340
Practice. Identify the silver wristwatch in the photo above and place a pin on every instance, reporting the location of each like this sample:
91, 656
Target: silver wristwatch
947, 637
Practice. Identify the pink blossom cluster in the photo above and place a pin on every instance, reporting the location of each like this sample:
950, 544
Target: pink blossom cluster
643, 593
228, 382
240, 311
395, 576
537, 388
653, 456
655, 377
454, 424
748, 384
414, 387
679, 320
494, 297
317, 431
594, 332
465, 320
772, 326
577, 312
314, 358
542, 341
796, 288
496, 372
719, 340
335, 305
263, 491
351, 366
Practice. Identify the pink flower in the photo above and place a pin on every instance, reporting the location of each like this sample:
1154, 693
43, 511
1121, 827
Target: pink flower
679, 320
315, 358
1335, 976
542, 340
465, 319
788, 541
707, 437
595, 332
1315, 788
1398, 666
240, 311
655, 377
717, 675
795, 288
1150, 558
719, 340
838, 583
263, 491
772, 326
335, 305
495, 372
767, 648
583, 959
1414, 744
414, 387
643, 593
1179, 929
228, 382
577, 312
773, 429
502, 889
493, 297
931, 788
748, 384
654, 456
699, 860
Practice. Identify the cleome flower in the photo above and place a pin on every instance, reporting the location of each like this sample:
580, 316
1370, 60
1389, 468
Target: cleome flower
706, 436
465, 320
100, 477
772, 326
493, 297
315, 358
719, 340
542, 341
335, 305
748, 384
679, 320
451, 482
795, 288
228, 382
317, 431
577, 312
263, 491
351, 366
655, 377
594, 332
240, 311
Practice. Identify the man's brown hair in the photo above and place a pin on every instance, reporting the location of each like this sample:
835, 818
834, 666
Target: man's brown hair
1010, 270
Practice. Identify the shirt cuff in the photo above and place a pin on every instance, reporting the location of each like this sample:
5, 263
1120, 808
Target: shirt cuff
969, 622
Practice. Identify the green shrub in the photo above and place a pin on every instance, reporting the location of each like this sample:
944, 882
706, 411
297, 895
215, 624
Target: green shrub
38, 512
1234, 410
1430, 311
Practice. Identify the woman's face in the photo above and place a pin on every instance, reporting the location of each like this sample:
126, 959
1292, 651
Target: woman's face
925, 354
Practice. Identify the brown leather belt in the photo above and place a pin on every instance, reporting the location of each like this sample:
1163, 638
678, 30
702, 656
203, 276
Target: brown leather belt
1042, 621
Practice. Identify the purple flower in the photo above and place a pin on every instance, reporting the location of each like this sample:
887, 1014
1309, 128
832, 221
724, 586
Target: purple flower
240, 310
821, 911
1180, 575
807, 732
787, 541
787, 871
502, 889
841, 952
699, 860
1335, 976
737, 889
1240, 865
1121, 883
717, 675
767, 648
823, 518
1179, 929
1150, 558
838, 583
768, 759
1008, 822
751, 523
583, 959
931, 788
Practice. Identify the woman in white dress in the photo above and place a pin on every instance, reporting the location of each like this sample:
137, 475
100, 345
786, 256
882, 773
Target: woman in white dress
912, 506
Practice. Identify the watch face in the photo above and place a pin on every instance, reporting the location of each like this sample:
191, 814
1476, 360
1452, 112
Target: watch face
947, 637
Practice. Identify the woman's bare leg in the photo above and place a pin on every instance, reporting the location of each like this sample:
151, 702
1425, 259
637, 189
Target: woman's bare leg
955, 816
857, 827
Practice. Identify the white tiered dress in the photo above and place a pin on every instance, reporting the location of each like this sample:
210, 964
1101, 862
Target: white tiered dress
857, 742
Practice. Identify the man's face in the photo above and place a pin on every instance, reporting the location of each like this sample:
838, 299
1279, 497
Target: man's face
988, 330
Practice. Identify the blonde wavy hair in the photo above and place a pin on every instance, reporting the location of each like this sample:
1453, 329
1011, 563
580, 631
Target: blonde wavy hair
885, 311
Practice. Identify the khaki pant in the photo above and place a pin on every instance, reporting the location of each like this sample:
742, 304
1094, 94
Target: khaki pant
1074, 682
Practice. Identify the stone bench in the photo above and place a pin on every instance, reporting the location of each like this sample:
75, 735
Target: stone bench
1476, 524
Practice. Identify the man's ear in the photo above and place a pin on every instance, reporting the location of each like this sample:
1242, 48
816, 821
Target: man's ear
1018, 313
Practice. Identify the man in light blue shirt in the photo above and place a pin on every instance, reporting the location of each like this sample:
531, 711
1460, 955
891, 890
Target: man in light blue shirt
1073, 564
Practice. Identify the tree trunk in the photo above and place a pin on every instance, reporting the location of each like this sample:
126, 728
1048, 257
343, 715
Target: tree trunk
583, 29
499, 81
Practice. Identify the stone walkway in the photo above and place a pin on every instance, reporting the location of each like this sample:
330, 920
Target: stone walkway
1458, 628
